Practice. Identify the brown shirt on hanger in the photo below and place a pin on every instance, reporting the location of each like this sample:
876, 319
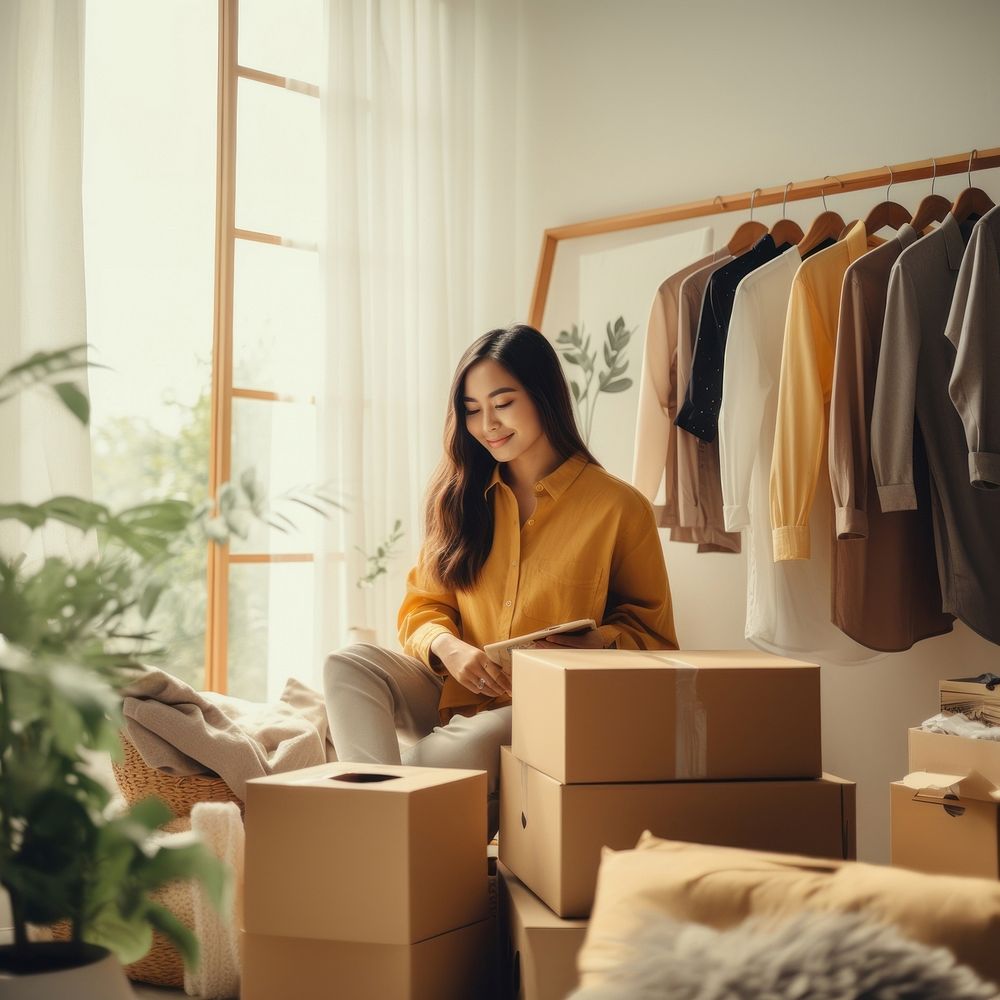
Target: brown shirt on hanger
699, 479
914, 368
655, 459
892, 610
974, 329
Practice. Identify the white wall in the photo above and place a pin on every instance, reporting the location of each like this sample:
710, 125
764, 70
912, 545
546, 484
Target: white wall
635, 104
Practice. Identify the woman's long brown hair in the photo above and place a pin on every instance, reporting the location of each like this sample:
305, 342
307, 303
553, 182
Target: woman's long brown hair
458, 519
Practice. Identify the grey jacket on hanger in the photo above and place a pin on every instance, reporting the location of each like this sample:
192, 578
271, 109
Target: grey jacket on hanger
914, 369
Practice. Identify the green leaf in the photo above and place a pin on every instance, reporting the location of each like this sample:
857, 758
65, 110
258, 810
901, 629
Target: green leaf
563, 337
74, 400
216, 530
608, 357
41, 366
150, 597
29, 516
179, 934
240, 521
248, 481
129, 936
576, 390
150, 813
620, 386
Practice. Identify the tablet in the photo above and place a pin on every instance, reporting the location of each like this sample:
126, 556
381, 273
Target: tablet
499, 652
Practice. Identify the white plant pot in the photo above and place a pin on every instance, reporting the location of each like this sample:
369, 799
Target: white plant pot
102, 978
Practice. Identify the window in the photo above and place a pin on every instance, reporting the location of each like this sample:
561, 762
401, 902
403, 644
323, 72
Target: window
201, 200
267, 327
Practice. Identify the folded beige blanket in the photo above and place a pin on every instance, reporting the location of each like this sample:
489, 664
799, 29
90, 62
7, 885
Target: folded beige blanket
182, 731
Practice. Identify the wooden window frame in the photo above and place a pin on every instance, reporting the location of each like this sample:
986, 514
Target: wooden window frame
220, 559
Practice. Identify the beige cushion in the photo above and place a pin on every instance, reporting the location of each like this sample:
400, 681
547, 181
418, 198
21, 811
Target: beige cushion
720, 886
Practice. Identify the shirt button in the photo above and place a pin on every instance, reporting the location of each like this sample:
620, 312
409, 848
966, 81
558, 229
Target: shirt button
506, 604
531, 520
538, 487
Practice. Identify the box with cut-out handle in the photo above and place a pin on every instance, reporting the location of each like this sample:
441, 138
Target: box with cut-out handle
382, 854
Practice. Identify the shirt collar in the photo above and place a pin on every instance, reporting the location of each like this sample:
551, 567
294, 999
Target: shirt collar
856, 240
952, 237
556, 482
906, 235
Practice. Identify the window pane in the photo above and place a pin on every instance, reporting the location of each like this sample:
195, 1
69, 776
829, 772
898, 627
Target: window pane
277, 161
278, 441
149, 232
270, 628
283, 38
276, 322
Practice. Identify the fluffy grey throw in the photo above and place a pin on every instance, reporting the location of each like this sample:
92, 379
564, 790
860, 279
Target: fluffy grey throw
814, 956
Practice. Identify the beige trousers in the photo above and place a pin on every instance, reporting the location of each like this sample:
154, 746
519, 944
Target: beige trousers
375, 697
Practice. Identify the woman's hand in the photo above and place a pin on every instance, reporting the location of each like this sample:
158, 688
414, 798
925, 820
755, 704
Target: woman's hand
471, 667
591, 639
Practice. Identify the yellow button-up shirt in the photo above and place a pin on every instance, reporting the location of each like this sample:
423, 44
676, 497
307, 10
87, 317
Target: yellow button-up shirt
804, 390
590, 549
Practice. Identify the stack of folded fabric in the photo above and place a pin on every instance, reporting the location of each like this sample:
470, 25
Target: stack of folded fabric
711, 747
946, 811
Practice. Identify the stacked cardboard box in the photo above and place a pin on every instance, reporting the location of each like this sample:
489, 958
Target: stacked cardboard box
945, 814
366, 881
537, 949
715, 747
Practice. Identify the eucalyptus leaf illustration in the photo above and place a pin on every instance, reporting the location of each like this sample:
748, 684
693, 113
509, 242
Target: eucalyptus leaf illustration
574, 346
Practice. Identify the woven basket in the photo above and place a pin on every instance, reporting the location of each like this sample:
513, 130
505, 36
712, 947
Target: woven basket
137, 780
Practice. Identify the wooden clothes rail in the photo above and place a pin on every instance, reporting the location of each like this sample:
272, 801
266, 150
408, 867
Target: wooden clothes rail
796, 191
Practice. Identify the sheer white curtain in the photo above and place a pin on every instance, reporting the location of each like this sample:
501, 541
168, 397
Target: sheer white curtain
43, 450
418, 112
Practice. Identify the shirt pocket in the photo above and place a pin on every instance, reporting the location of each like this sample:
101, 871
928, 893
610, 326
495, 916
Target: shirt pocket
555, 598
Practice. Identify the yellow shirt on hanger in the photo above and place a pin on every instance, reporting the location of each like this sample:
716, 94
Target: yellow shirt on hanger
804, 390
590, 549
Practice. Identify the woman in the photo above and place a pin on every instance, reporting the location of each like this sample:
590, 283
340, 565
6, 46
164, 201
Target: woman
523, 530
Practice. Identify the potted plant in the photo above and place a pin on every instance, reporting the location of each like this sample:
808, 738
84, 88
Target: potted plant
71, 634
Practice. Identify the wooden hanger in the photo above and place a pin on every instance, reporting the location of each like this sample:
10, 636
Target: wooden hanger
971, 201
784, 230
826, 226
747, 233
932, 208
886, 213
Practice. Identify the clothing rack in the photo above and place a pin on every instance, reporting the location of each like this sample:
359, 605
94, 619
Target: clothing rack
899, 173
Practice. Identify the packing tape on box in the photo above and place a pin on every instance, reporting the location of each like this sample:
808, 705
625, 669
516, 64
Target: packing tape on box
690, 722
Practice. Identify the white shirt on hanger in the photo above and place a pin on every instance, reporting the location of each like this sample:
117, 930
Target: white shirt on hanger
788, 603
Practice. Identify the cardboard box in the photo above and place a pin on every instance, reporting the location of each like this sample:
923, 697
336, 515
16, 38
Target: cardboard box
551, 834
943, 754
972, 697
538, 949
453, 966
941, 827
363, 852
592, 715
